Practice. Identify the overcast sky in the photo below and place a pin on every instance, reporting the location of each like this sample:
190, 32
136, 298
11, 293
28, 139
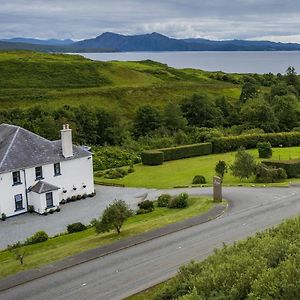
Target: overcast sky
277, 20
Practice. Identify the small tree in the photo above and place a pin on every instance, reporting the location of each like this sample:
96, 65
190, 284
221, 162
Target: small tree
114, 216
19, 255
221, 168
244, 164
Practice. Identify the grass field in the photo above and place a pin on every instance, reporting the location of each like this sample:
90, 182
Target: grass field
53, 80
181, 172
69, 244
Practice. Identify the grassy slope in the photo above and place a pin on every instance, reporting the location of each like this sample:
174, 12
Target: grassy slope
66, 245
181, 172
28, 78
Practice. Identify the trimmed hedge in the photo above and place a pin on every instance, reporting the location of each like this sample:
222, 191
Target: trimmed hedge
152, 158
248, 141
186, 151
292, 167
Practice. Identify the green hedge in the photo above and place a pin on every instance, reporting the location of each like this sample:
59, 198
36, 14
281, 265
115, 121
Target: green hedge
152, 158
292, 167
186, 151
232, 143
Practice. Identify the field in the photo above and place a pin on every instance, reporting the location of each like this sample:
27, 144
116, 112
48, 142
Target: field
54, 80
181, 172
69, 244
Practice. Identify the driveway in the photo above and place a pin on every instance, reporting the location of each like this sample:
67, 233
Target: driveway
20, 227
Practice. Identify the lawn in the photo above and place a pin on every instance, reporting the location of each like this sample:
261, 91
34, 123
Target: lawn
65, 245
181, 172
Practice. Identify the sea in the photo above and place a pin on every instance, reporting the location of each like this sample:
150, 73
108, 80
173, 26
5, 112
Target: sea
230, 62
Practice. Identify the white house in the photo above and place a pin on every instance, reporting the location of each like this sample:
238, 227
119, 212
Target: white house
41, 173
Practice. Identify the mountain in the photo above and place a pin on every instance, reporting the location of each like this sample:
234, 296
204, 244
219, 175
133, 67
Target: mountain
50, 42
113, 42
143, 42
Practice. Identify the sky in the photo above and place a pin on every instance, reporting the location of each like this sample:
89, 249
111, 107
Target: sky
276, 20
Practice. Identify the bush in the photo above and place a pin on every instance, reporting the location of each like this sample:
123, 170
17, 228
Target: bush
180, 201
130, 170
291, 167
163, 200
30, 208
186, 151
268, 174
142, 211
199, 179
152, 158
264, 150
38, 237
114, 174
250, 141
3, 217
146, 205
75, 227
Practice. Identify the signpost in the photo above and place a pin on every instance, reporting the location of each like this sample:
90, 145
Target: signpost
217, 189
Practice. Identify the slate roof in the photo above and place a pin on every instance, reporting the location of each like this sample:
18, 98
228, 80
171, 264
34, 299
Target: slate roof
21, 149
43, 187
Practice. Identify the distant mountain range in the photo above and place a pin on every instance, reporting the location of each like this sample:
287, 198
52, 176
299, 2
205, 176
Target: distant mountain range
112, 42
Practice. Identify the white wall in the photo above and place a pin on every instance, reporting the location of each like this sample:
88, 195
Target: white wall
74, 173
8, 192
39, 201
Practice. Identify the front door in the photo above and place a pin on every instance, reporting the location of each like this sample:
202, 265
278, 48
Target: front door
49, 199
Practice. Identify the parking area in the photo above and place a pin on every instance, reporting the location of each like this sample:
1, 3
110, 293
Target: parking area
20, 227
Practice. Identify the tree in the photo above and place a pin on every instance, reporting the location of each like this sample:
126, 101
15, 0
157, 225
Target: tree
257, 113
244, 164
173, 117
249, 89
286, 111
19, 254
221, 168
113, 217
147, 119
202, 112
291, 76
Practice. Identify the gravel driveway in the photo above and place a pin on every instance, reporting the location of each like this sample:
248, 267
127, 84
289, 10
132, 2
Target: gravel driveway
20, 227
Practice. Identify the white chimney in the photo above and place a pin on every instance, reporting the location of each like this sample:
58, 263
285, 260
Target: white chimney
66, 141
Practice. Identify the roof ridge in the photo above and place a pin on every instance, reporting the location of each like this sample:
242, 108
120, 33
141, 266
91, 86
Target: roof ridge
10, 145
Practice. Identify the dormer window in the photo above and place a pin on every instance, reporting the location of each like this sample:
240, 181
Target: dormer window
38, 173
16, 178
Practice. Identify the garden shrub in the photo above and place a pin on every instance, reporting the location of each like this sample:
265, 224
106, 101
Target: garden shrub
114, 174
146, 205
152, 158
264, 150
180, 201
30, 208
292, 167
163, 200
142, 211
38, 237
250, 141
186, 151
269, 174
199, 179
75, 227
3, 216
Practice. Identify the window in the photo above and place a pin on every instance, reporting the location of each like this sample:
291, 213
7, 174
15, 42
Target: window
57, 169
16, 177
49, 199
38, 173
19, 202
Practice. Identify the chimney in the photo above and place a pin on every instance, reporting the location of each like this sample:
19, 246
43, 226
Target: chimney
66, 141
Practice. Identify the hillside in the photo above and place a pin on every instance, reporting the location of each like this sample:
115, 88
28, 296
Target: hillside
111, 42
29, 78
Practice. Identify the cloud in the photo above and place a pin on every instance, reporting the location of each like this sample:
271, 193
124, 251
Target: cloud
214, 19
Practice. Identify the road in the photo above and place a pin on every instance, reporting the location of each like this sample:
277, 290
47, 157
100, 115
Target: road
123, 273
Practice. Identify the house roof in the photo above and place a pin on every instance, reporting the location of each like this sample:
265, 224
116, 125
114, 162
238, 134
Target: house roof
20, 149
43, 187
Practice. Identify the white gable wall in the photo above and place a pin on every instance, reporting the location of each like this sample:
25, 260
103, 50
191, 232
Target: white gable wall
75, 173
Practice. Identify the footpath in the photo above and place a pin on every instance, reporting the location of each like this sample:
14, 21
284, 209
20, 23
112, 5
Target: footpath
30, 275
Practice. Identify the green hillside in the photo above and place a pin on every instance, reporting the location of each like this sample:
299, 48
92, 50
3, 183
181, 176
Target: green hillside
30, 78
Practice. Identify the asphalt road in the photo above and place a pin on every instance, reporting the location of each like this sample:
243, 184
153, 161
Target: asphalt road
123, 273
